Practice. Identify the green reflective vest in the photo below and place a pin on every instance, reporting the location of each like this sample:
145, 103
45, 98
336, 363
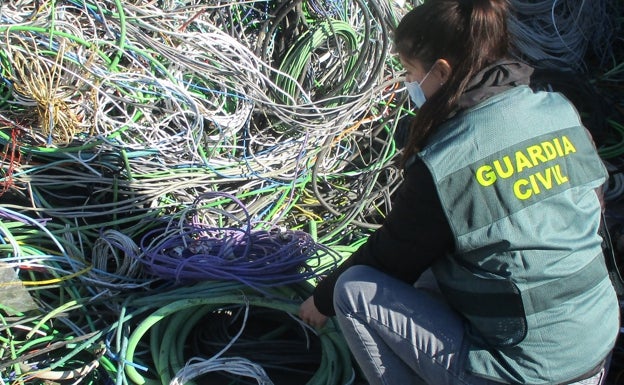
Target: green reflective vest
516, 176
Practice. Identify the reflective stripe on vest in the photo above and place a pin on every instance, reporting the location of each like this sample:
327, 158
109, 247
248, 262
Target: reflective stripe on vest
507, 302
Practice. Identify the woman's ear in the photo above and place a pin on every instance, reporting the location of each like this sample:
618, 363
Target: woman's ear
442, 70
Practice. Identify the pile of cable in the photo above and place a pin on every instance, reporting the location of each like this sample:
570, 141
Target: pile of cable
178, 335
558, 34
141, 107
190, 247
48, 330
116, 116
174, 173
108, 72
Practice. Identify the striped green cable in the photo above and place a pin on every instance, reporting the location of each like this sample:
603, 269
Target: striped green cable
299, 54
5, 90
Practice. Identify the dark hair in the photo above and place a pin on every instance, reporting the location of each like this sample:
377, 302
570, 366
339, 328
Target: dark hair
469, 34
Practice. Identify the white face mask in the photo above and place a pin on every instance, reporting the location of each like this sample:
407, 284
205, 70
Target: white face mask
415, 91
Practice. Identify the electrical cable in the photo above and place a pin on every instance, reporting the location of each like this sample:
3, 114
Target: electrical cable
197, 251
168, 310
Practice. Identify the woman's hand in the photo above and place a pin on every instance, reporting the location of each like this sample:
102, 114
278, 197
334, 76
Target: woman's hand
310, 314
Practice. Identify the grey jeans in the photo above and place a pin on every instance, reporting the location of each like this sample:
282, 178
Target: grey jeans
403, 334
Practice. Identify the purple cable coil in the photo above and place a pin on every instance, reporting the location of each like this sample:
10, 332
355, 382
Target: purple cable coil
255, 257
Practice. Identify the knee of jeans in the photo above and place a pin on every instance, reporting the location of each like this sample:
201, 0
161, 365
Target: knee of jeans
349, 286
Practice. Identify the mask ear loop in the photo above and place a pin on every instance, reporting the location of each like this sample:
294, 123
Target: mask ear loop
427, 74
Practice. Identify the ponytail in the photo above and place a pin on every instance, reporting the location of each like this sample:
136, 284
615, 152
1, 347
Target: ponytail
488, 28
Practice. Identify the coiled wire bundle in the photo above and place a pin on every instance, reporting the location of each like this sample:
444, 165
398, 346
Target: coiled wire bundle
558, 34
